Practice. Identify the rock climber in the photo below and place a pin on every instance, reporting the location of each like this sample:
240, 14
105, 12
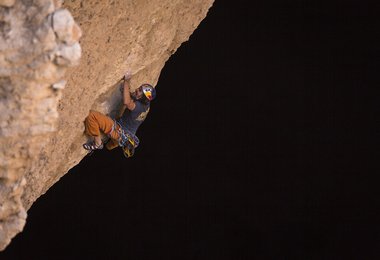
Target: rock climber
121, 130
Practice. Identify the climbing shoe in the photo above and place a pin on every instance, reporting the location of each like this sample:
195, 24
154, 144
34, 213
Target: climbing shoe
91, 146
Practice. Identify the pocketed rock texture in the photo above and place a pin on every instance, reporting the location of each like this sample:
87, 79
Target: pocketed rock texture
60, 59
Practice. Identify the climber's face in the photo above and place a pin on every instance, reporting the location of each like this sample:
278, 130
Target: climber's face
138, 93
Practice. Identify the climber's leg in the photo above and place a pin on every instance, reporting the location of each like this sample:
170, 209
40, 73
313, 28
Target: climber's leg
95, 123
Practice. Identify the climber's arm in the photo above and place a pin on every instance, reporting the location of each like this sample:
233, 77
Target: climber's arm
127, 100
121, 111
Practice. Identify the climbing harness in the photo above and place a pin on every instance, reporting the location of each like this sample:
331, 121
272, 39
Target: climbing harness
127, 140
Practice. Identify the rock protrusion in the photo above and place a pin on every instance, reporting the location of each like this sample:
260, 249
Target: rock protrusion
33, 58
65, 27
7, 3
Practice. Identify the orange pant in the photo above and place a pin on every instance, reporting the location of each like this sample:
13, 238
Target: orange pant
96, 122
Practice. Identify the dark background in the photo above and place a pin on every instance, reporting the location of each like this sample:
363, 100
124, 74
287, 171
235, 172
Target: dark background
261, 144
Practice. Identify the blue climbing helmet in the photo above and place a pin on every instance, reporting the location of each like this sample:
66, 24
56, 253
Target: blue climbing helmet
149, 92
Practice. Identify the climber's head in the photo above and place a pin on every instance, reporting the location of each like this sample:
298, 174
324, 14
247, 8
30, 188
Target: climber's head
145, 93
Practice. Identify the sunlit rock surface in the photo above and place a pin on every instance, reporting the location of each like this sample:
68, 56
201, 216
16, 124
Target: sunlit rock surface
60, 59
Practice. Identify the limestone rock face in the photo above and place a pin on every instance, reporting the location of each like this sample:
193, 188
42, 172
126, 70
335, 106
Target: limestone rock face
60, 59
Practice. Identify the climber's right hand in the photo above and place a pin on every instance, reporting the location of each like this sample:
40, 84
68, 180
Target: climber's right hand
127, 75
